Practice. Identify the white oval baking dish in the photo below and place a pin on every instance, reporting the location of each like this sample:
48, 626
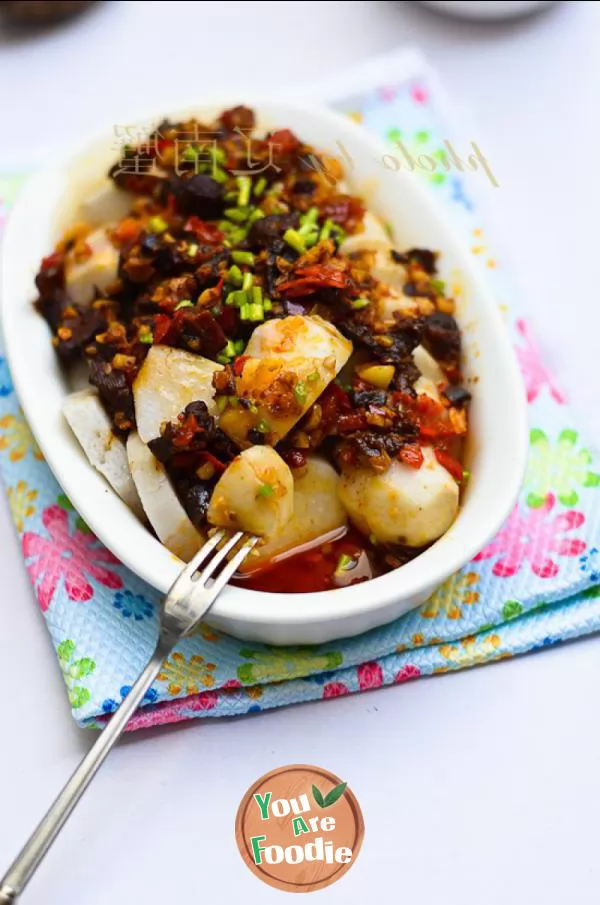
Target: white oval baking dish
498, 442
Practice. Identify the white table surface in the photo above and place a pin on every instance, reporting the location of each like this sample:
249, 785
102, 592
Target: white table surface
481, 786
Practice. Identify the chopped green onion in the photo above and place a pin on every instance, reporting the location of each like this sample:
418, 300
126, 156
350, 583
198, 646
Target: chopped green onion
253, 408
225, 226
189, 154
267, 305
309, 229
237, 214
372, 540
230, 298
157, 225
256, 313
312, 377
260, 186
294, 240
310, 217
234, 402
438, 285
186, 303
389, 229
239, 346
257, 296
256, 214
219, 175
192, 249
300, 392
243, 257
237, 235
230, 196
235, 275
266, 490
325, 230
219, 155
358, 304
262, 427
245, 186
222, 402
146, 338
245, 312
247, 281
344, 563
466, 474
337, 231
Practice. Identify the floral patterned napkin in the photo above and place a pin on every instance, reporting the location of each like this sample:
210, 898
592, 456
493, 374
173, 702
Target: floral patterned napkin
536, 583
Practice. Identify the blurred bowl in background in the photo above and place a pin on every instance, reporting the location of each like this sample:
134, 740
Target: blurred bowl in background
490, 9
41, 12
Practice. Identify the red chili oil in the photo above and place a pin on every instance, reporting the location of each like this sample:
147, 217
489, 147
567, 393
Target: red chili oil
349, 559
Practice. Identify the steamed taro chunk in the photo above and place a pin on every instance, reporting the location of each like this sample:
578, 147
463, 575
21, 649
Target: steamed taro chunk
167, 382
287, 365
404, 505
92, 426
254, 494
160, 502
318, 513
93, 270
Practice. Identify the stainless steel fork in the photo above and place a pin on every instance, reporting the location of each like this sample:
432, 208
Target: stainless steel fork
188, 600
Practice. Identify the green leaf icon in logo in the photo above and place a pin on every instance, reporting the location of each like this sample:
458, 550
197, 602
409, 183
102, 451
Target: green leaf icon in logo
318, 797
335, 793
332, 796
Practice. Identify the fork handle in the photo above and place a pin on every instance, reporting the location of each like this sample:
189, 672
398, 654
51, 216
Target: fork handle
32, 853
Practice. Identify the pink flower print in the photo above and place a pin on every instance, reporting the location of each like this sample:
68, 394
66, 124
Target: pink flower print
66, 555
534, 371
369, 675
206, 700
335, 690
387, 93
407, 672
419, 94
171, 711
533, 535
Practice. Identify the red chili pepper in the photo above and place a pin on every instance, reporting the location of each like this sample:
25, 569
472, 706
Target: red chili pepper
217, 465
185, 432
162, 144
238, 365
428, 406
450, 464
412, 455
127, 230
352, 422
333, 401
310, 279
53, 260
286, 140
204, 232
436, 432
162, 326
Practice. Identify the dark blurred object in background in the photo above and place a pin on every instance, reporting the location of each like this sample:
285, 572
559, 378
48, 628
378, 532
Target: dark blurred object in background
488, 9
39, 12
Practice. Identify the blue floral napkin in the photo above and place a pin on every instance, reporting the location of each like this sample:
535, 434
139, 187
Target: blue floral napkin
536, 583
